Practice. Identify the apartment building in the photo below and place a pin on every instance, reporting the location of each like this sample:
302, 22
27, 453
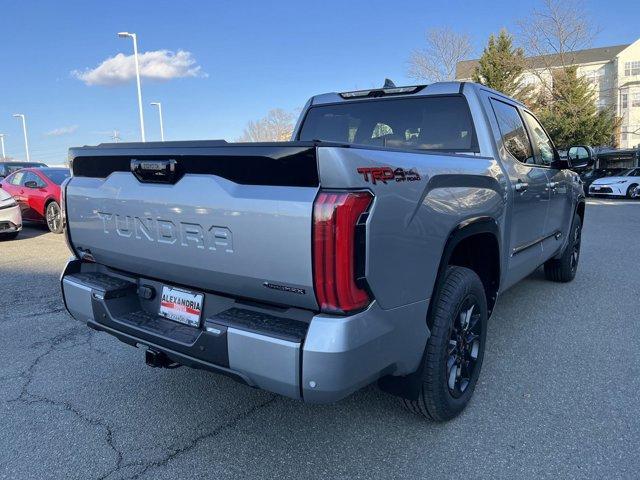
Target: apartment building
614, 72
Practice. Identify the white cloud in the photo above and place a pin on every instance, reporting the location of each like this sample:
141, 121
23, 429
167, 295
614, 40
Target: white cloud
58, 132
161, 65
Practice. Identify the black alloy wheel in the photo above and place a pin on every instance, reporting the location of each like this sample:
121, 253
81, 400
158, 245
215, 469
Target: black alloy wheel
464, 347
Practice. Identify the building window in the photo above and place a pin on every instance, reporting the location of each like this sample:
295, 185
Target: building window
631, 68
623, 136
595, 78
635, 99
624, 101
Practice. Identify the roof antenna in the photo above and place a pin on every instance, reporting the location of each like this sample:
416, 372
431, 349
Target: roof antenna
388, 83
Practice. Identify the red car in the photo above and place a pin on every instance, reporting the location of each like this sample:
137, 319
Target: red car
37, 191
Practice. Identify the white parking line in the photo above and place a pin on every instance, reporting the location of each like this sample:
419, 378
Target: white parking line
608, 202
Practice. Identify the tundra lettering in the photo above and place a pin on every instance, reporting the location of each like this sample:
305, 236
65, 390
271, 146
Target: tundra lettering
165, 231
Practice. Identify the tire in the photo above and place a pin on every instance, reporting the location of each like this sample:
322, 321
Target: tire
564, 269
631, 190
8, 236
53, 217
448, 382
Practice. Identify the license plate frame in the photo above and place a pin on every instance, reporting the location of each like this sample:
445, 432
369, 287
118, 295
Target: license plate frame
181, 306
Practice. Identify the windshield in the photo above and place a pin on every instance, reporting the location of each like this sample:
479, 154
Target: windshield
425, 123
56, 176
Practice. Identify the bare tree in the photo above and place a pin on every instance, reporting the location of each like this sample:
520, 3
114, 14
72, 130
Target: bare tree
277, 126
551, 35
437, 60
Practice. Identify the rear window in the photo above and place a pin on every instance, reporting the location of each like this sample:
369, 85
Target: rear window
57, 176
423, 123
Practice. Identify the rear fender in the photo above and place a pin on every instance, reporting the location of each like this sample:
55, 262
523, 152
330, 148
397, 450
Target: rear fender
409, 386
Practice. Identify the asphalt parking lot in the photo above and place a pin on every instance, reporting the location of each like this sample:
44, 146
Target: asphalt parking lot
557, 397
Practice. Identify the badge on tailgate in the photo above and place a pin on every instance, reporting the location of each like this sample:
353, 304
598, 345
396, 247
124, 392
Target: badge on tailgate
181, 306
155, 171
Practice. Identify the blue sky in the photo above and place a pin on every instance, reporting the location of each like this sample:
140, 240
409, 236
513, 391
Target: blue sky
252, 56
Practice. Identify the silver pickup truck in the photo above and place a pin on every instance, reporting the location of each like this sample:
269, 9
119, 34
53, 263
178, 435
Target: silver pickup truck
371, 248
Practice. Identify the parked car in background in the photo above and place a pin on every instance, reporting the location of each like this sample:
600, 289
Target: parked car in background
623, 185
589, 176
10, 217
37, 191
7, 168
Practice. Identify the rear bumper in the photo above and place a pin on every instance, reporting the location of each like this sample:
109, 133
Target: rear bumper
10, 220
292, 352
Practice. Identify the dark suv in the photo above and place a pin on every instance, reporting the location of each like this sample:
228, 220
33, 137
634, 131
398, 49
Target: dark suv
7, 168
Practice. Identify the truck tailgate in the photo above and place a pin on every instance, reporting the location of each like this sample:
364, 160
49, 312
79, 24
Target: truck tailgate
218, 228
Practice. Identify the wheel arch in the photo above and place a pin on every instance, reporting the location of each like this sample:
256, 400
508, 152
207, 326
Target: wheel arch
462, 250
580, 208
47, 202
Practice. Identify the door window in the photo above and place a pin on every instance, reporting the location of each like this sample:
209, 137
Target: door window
544, 154
32, 177
514, 135
16, 179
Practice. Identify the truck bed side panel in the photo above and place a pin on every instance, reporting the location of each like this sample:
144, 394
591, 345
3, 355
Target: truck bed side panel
411, 220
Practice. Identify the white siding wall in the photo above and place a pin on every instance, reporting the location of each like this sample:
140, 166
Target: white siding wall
629, 85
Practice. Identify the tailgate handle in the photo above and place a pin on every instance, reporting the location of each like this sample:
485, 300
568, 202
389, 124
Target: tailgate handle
155, 171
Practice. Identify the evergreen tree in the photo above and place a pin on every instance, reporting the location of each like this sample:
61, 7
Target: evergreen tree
570, 114
501, 66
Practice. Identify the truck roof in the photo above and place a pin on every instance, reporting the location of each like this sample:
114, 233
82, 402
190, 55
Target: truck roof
437, 88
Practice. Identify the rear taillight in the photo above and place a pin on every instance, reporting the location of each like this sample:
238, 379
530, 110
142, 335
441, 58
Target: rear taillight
335, 228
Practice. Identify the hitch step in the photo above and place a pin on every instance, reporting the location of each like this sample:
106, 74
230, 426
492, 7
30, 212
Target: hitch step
157, 359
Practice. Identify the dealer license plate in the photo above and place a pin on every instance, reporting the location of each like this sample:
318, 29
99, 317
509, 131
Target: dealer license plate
181, 306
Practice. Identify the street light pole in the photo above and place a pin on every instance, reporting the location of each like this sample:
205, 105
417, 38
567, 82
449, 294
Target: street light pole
24, 131
4, 155
159, 105
135, 58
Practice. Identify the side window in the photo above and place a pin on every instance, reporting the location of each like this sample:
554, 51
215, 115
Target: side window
514, 135
32, 177
544, 155
17, 178
40, 181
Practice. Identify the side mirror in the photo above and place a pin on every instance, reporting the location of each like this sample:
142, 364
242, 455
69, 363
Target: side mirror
579, 156
31, 184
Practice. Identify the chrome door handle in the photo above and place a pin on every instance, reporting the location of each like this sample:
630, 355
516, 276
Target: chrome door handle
552, 185
521, 186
